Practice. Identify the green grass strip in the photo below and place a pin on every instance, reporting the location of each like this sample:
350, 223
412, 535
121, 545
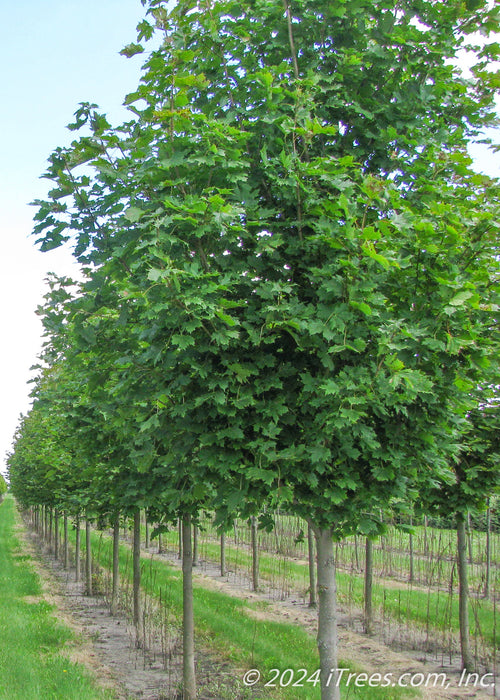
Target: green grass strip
32, 661
228, 625
437, 610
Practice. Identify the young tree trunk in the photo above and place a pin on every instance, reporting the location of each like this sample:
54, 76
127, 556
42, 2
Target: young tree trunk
313, 600
77, 548
51, 520
137, 613
116, 568
88, 558
189, 678
160, 548
56, 533
469, 539
368, 593
195, 545
327, 615
223, 554
487, 581
463, 595
255, 554
147, 538
66, 542
180, 538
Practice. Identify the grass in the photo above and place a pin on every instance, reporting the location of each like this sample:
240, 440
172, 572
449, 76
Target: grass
33, 665
230, 628
410, 603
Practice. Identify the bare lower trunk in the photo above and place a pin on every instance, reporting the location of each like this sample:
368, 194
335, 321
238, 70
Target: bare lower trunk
195, 545
137, 613
313, 599
223, 554
327, 615
88, 558
56, 533
77, 549
189, 678
66, 542
255, 554
180, 538
368, 586
116, 569
463, 595
412, 570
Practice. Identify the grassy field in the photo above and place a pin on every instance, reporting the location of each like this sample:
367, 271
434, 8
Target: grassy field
34, 664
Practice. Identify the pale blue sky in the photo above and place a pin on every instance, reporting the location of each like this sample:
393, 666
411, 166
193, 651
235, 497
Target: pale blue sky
53, 55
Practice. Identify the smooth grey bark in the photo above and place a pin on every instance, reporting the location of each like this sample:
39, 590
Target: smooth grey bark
77, 549
188, 666
88, 558
223, 554
255, 554
195, 546
137, 612
66, 541
463, 595
368, 590
116, 569
56, 533
313, 598
327, 615
146, 525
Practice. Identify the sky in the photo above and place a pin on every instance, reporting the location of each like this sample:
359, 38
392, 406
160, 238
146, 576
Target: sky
54, 54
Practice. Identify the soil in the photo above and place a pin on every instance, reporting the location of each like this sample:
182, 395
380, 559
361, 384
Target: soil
106, 644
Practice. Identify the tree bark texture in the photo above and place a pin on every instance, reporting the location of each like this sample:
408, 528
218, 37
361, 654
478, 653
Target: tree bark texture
313, 598
116, 568
189, 677
327, 615
88, 558
463, 595
137, 612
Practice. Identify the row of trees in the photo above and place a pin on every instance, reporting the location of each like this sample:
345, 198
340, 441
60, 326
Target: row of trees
289, 286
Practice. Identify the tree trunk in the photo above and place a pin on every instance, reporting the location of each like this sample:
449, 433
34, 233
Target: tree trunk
223, 554
189, 678
469, 539
160, 548
56, 533
66, 542
51, 520
487, 581
313, 600
368, 593
116, 562
77, 549
463, 595
255, 554
195, 545
88, 558
327, 615
137, 613
147, 541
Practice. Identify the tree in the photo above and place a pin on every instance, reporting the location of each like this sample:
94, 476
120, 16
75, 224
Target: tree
304, 262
